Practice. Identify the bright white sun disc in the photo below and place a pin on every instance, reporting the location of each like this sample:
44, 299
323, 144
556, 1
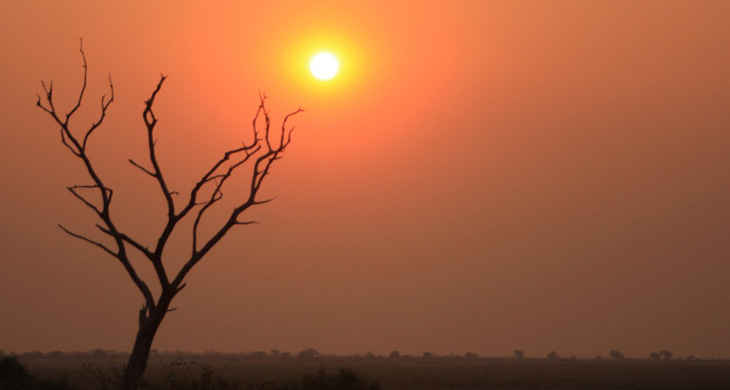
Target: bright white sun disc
324, 66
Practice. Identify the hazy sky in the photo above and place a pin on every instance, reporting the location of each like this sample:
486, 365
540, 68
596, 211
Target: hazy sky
482, 176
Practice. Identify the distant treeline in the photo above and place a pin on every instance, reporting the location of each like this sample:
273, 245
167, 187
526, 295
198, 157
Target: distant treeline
309, 353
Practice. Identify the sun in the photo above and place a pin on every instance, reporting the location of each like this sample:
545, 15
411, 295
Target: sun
324, 66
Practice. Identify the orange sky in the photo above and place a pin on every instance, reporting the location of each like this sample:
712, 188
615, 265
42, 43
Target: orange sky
481, 176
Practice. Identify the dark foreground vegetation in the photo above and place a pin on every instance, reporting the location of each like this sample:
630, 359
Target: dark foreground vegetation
311, 371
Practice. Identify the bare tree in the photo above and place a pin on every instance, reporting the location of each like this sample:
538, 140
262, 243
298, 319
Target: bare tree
256, 158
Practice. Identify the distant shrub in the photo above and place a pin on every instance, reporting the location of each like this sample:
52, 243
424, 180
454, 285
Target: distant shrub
395, 354
33, 355
553, 356
98, 353
308, 353
519, 354
616, 354
55, 354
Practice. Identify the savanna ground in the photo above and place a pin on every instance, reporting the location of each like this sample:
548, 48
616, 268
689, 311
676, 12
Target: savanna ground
456, 372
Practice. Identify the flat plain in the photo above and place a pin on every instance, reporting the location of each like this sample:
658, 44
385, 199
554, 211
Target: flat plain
453, 372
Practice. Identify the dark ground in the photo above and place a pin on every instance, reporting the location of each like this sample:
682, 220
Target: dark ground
414, 373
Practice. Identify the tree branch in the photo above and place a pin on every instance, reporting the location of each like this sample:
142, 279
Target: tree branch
145, 170
115, 234
96, 243
83, 86
260, 170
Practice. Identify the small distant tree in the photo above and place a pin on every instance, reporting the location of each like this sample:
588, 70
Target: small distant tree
666, 355
470, 355
98, 353
308, 353
518, 354
55, 354
394, 354
33, 355
182, 213
616, 354
258, 355
427, 355
553, 356
654, 356
275, 353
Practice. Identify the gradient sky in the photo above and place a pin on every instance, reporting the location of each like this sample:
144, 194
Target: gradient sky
482, 176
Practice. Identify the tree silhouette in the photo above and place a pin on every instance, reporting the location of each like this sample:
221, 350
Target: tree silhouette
616, 354
256, 157
666, 355
308, 353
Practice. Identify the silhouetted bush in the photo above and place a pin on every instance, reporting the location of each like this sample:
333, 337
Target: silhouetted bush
519, 354
12, 372
14, 376
176, 375
258, 355
616, 354
666, 355
308, 353
33, 355
98, 353
189, 376
395, 354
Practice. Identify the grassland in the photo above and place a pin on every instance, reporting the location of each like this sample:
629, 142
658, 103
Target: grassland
85, 372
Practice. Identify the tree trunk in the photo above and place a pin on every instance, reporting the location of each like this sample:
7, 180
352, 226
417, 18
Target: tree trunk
142, 345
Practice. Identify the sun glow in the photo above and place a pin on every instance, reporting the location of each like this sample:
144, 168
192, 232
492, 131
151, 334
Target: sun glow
324, 66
